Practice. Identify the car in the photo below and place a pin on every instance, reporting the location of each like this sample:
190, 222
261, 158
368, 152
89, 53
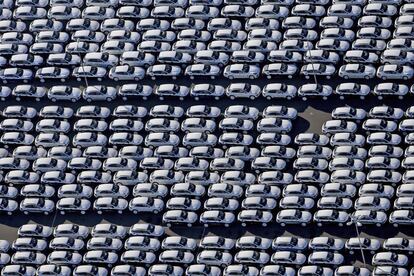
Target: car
371, 245
279, 90
394, 71
214, 257
179, 217
36, 205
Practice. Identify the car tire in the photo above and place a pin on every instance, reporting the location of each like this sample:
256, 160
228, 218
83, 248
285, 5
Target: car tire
394, 224
230, 77
264, 224
120, 212
319, 224
283, 224
205, 225
9, 213
405, 78
62, 80
155, 211
83, 212
99, 79
379, 225
346, 77
116, 79
243, 224
99, 212
367, 77
73, 100
373, 252
226, 225
324, 98
303, 224
46, 213
18, 99
62, 213
268, 98
108, 99
189, 225
251, 77
304, 99
168, 225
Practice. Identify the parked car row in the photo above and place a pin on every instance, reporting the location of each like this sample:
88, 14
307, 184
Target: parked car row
115, 250
233, 91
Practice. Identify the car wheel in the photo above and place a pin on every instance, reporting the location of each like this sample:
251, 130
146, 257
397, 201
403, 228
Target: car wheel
384, 78
373, 252
252, 97
62, 212
328, 77
99, 212
62, 80
340, 224
155, 211
264, 224
346, 77
189, 225
73, 100
283, 224
325, 98
4, 81
251, 77
341, 97
25, 212
42, 80
116, 79
205, 225
232, 97
362, 97
119, 211
303, 224
351, 252
168, 225
400, 97
380, 97
46, 213
174, 77
394, 224
161, 98
268, 98
379, 225
304, 98
366, 77
25, 81
181, 98
83, 212
405, 78
319, 224
243, 224
136, 79
10, 213
212, 77
307, 77
18, 99
230, 77
226, 225
89, 100
124, 98
78, 79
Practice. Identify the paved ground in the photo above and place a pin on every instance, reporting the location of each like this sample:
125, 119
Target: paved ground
312, 114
